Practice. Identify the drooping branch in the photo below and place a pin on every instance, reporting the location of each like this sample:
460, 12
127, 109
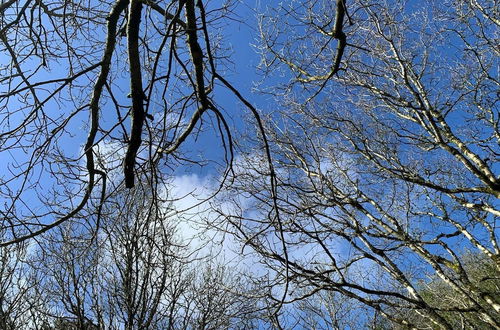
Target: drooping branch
196, 53
105, 64
197, 59
339, 34
304, 74
136, 91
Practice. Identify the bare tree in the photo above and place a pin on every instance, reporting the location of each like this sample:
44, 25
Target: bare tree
119, 276
66, 67
221, 298
135, 273
14, 286
387, 168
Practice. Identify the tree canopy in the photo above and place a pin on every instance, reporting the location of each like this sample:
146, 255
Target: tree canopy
361, 177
